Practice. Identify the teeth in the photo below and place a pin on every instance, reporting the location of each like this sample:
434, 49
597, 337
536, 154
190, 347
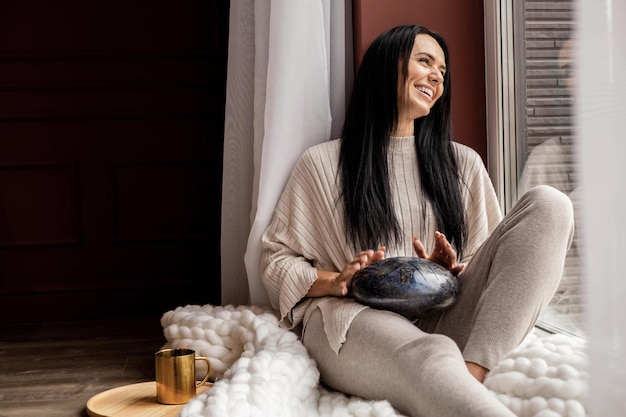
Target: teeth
425, 90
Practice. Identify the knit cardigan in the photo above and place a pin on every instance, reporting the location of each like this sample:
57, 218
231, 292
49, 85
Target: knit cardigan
307, 229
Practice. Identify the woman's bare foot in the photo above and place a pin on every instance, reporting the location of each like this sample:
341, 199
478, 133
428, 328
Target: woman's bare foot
477, 371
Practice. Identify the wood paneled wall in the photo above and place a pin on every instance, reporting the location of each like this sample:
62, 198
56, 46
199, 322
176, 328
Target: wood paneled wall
111, 136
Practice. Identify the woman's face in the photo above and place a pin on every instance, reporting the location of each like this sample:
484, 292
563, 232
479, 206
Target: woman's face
424, 83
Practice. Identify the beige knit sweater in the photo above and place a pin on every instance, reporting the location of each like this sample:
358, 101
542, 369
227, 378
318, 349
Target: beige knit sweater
307, 229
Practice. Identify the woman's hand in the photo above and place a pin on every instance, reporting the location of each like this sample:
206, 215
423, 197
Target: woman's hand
338, 283
442, 254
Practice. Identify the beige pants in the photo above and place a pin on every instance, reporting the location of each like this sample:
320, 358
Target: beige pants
421, 369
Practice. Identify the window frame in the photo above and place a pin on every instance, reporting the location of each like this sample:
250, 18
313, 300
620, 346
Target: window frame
505, 97
505, 83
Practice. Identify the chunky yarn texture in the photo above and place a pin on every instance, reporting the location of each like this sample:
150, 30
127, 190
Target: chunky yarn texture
544, 377
261, 369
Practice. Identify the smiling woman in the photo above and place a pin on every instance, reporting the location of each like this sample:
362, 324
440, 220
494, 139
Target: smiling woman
371, 194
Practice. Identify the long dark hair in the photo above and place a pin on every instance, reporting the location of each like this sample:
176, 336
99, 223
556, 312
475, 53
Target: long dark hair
371, 118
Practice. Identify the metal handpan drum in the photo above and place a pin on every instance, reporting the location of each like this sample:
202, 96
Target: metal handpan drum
412, 287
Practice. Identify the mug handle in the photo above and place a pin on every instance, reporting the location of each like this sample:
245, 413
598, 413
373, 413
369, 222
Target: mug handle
208, 372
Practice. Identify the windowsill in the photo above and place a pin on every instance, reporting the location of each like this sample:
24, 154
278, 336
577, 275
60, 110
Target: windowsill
553, 321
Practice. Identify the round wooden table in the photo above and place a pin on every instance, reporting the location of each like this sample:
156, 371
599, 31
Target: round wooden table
135, 400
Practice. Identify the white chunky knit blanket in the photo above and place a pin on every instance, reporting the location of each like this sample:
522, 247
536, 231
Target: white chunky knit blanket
263, 370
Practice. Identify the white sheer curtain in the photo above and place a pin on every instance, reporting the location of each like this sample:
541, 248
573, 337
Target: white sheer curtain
601, 107
289, 67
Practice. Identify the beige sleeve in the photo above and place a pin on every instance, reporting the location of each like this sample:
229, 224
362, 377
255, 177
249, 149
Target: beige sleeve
483, 209
305, 234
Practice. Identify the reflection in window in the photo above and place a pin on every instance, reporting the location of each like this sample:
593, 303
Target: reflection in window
546, 144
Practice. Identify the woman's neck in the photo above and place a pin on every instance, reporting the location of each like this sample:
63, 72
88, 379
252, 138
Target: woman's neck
404, 128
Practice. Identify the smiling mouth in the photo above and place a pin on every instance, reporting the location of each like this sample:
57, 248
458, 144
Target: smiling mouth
425, 90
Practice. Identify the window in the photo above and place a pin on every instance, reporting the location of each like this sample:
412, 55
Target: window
531, 135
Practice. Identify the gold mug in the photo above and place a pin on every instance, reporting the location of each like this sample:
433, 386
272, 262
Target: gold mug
176, 375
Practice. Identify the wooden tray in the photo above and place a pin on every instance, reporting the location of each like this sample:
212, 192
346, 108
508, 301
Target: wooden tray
135, 400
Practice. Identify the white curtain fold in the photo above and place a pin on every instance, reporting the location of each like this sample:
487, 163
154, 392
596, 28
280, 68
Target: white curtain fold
600, 110
289, 66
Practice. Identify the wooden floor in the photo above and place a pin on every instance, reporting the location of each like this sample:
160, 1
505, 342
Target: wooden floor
53, 369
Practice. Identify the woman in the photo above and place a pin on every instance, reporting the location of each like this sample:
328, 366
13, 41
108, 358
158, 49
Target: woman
396, 175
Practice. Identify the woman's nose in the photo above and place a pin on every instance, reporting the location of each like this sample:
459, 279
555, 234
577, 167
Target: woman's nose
436, 76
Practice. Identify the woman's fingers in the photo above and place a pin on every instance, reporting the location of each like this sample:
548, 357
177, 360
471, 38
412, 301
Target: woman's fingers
367, 257
379, 255
419, 248
457, 269
441, 243
442, 254
363, 258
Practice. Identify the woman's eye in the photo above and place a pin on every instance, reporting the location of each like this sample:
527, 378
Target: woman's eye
427, 62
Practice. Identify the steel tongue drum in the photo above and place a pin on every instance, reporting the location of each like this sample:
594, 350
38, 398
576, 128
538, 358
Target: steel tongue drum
412, 287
